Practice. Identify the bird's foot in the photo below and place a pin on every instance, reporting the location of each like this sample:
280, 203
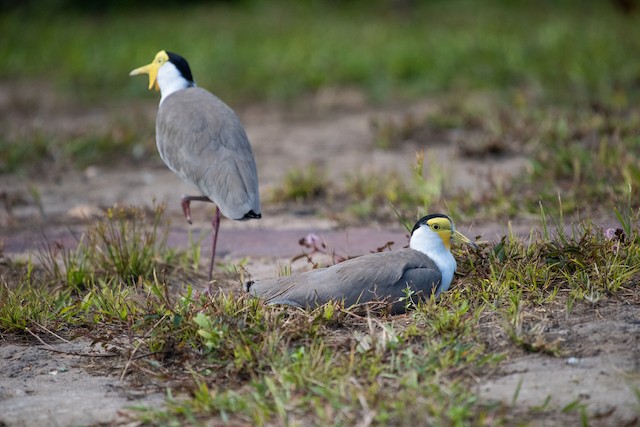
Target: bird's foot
186, 208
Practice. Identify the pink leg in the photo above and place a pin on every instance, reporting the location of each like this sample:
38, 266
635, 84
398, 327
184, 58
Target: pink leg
185, 202
186, 210
215, 225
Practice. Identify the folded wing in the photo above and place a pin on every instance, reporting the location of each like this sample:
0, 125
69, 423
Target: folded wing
378, 276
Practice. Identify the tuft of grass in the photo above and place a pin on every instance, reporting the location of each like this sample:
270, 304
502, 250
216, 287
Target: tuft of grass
18, 153
586, 155
390, 134
385, 196
27, 302
302, 185
593, 158
123, 246
371, 196
80, 145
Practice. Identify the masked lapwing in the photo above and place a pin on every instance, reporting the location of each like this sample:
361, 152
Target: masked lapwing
202, 141
426, 267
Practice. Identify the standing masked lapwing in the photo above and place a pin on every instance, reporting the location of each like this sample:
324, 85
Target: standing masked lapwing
203, 142
423, 269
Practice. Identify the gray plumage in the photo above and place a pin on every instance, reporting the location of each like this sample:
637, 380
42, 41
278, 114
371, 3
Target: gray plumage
384, 275
202, 140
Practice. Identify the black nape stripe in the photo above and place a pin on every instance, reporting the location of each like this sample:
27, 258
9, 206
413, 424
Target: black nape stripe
181, 64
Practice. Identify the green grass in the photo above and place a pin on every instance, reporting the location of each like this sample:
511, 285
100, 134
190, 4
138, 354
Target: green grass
579, 160
365, 196
232, 359
26, 303
280, 50
302, 185
381, 197
121, 246
566, 56
588, 159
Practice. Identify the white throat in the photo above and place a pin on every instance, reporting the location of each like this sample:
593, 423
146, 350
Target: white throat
430, 243
170, 80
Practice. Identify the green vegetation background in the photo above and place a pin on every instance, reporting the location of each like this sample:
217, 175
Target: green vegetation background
247, 51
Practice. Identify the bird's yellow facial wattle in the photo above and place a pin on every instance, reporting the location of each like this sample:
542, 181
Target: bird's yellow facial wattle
152, 69
445, 229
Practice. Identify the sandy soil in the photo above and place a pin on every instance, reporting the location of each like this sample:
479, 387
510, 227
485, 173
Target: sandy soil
39, 386
62, 384
598, 369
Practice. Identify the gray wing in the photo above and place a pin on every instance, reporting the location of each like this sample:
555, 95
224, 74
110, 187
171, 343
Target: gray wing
371, 277
202, 140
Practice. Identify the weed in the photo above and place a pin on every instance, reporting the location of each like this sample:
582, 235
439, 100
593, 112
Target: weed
370, 195
428, 187
26, 306
121, 246
383, 196
302, 185
16, 152
390, 134
26, 150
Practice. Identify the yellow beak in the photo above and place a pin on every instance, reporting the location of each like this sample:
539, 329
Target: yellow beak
461, 238
152, 70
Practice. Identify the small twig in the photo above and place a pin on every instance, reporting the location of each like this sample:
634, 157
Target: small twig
308, 256
367, 306
318, 246
71, 353
77, 353
368, 415
142, 356
126, 366
52, 333
39, 339
145, 370
368, 318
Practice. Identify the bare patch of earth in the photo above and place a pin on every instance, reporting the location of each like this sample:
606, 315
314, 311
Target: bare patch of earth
61, 385
41, 387
596, 376
597, 371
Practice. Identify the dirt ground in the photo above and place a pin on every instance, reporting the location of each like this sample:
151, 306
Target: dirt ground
598, 370
62, 383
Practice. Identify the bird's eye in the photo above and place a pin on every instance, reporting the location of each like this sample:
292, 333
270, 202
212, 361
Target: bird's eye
436, 227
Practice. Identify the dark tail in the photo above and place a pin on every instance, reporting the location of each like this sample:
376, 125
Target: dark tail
251, 215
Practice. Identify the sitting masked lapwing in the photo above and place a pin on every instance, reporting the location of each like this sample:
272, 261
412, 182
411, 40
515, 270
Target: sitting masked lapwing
203, 142
426, 267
